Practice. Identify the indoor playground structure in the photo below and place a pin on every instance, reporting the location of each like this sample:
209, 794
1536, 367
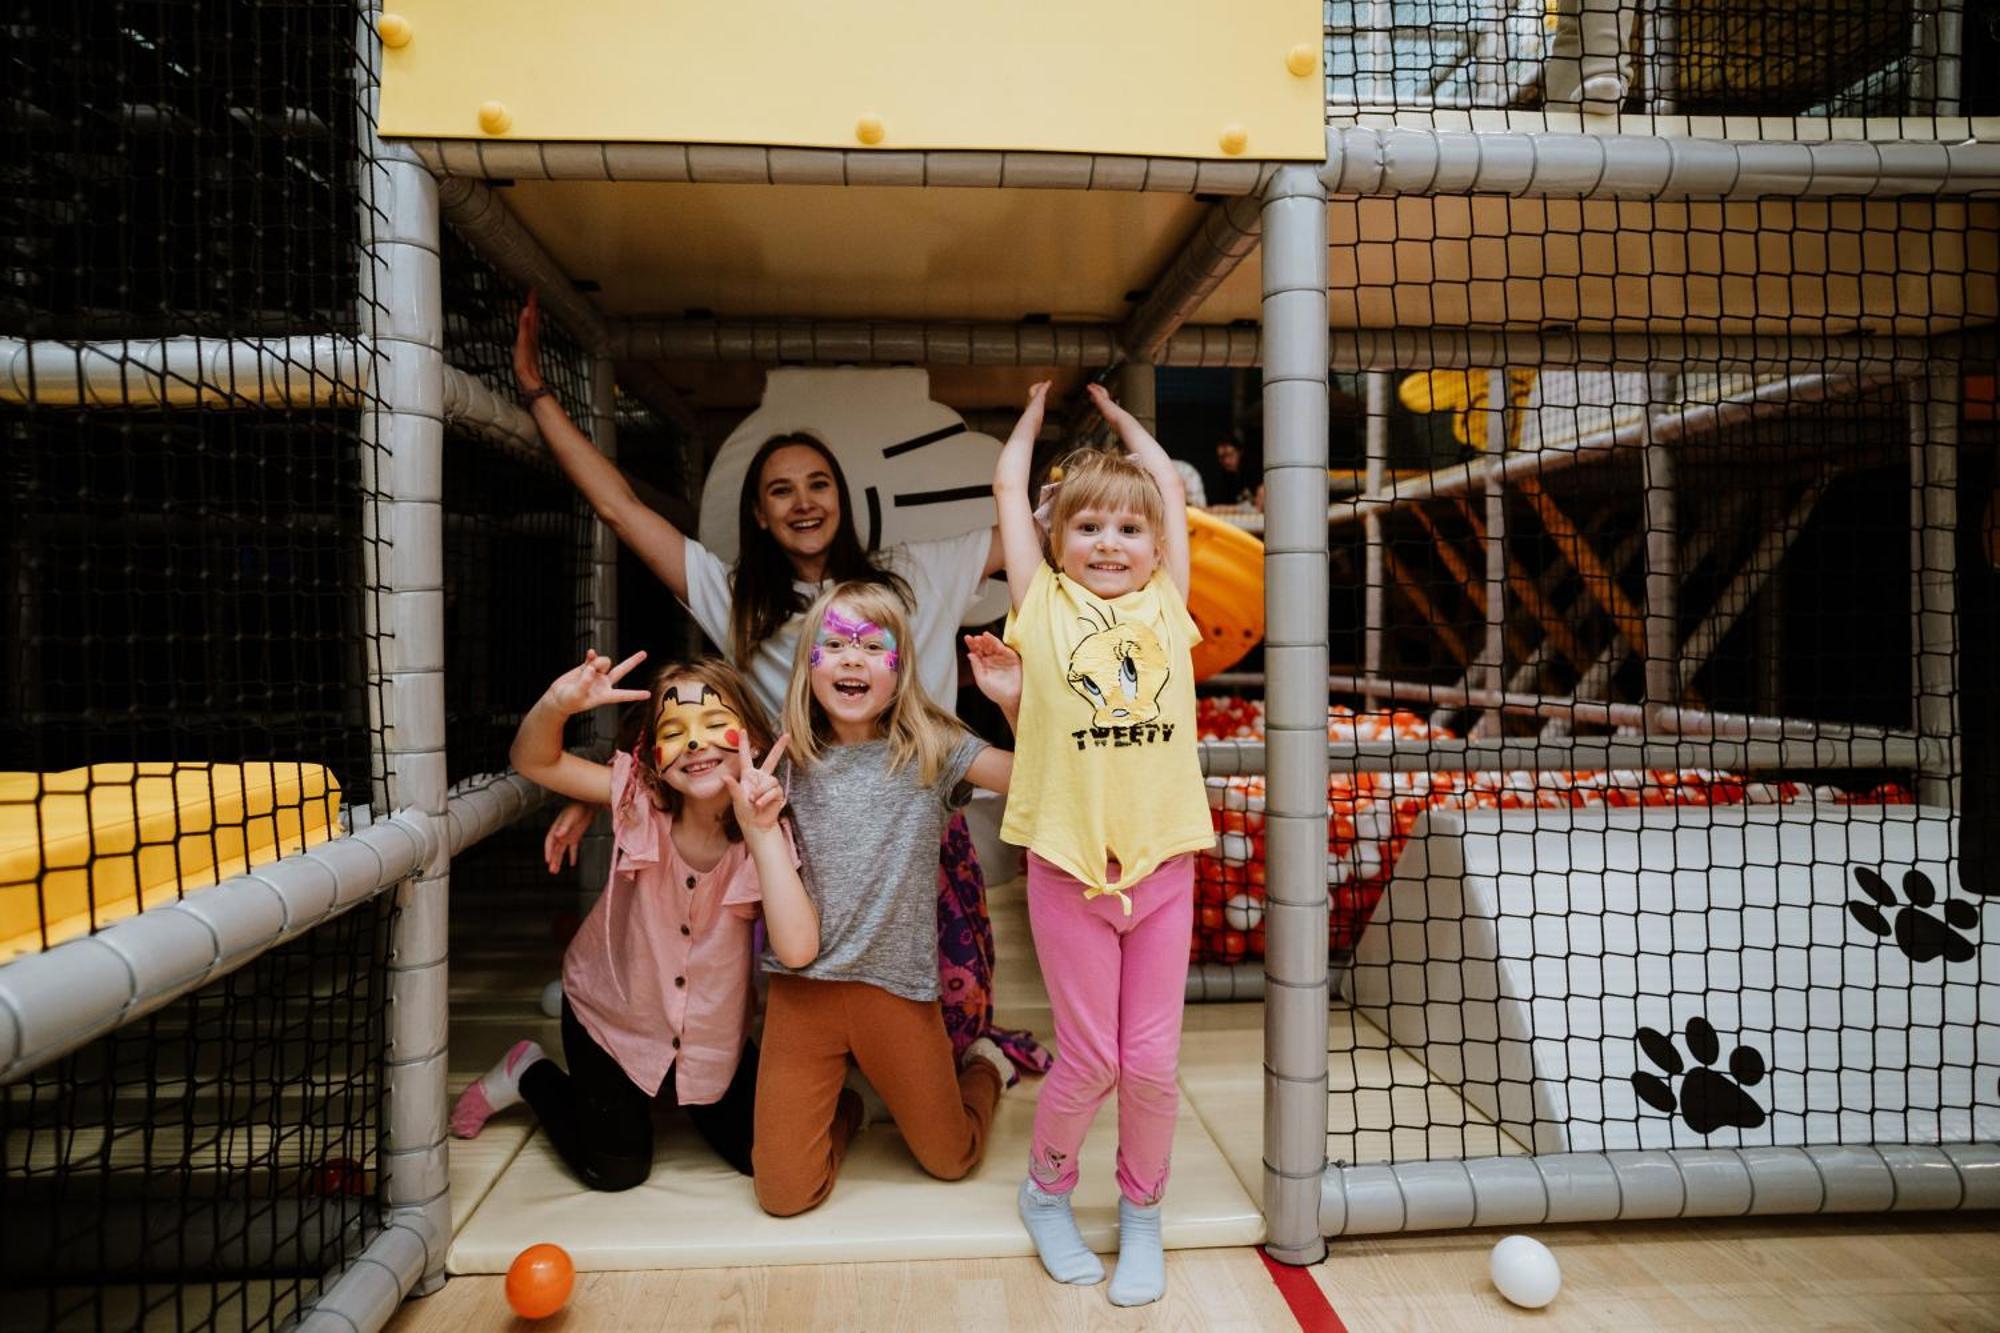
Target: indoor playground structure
1598, 707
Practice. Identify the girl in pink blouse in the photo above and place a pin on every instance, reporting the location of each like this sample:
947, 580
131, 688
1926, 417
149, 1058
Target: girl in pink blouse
656, 984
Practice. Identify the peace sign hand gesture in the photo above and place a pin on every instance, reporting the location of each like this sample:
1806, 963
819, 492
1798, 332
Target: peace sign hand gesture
758, 795
594, 684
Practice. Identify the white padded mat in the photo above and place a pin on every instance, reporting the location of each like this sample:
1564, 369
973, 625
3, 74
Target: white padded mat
696, 1213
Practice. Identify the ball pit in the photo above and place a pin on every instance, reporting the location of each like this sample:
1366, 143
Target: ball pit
1370, 816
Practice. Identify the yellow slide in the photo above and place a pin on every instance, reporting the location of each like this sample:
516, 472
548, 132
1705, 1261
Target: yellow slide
83, 848
1225, 592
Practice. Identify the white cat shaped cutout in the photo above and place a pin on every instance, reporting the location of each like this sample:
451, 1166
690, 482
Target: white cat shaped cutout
915, 471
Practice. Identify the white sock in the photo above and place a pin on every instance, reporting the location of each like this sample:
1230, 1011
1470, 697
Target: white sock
1141, 1278
1052, 1226
987, 1049
494, 1091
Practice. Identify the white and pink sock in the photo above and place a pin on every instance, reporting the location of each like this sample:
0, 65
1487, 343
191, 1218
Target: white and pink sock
495, 1090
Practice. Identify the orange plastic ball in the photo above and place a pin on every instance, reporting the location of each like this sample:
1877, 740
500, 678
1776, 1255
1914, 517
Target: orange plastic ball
539, 1281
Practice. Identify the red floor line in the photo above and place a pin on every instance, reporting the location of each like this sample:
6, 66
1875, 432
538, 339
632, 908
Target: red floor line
1308, 1303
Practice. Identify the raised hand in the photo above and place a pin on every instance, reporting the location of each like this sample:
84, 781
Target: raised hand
758, 796
996, 670
1107, 407
566, 835
594, 683
1030, 424
528, 344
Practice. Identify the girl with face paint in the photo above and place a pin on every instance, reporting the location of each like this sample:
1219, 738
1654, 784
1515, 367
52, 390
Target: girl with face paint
797, 536
876, 771
657, 984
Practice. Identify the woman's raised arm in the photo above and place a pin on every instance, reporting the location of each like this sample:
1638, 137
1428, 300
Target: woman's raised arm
652, 538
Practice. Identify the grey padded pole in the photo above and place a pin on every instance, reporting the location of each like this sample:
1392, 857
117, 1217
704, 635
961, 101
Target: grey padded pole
1364, 160
402, 449
323, 370
1295, 655
54, 1001
1138, 393
1668, 753
1556, 1188
1375, 610
597, 625
732, 164
1493, 652
1774, 399
1663, 562
1934, 573
1225, 983
805, 341
1226, 235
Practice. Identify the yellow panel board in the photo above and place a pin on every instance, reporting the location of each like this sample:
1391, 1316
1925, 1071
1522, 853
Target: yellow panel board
1167, 78
83, 848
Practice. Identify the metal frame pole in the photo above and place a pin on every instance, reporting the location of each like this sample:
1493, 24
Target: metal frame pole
1663, 565
1295, 654
1493, 653
1138, 393
1375, 601
1934, 437
597, 618
402, 443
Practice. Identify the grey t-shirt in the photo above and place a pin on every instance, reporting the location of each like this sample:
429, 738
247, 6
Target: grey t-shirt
868, 851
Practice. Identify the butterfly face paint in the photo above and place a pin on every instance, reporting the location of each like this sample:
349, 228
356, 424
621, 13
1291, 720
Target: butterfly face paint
839, 631
685, 725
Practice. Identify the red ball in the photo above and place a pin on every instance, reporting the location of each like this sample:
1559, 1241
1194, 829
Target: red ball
337, 1176
539, 1281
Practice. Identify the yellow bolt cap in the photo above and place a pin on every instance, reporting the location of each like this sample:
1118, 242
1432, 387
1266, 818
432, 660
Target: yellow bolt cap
1302, 60
394, 30
494, 118
868, 129
1234, 139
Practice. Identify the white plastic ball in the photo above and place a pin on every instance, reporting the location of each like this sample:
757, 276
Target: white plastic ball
552, 998
1243, 912
1525, 1272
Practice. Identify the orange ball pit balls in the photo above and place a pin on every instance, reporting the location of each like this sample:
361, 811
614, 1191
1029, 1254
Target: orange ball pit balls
539, 1281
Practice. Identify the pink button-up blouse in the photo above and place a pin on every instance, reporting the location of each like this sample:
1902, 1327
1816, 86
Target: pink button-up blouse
659, 972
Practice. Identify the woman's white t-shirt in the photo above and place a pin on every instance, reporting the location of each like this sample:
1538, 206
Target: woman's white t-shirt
944, 576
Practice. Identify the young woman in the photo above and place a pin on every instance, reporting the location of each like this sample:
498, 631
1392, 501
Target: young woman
797, 535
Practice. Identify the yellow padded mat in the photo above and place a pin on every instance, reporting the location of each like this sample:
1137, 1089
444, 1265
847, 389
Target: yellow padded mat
85, 847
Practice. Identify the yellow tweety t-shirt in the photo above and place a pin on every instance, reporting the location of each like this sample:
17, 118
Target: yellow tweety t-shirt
1105, 763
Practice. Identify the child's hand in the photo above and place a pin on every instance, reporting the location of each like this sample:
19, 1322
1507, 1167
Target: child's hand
528, 345
757, 795
566, 835
996, 669
594, 684
1109, 409
1030, 423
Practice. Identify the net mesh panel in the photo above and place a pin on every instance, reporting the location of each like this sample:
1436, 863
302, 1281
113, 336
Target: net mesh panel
204, 1167
185, 649
517, 556
1709, 57
1713, 942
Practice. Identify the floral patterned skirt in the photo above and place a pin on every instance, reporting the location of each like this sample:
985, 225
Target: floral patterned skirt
965, 955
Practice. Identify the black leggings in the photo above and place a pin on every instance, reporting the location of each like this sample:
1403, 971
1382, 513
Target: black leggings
602, 1124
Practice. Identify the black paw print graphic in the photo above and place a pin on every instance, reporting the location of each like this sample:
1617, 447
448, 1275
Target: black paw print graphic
1918, 933
1708, 1100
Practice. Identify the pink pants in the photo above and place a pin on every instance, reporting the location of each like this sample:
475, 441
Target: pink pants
1117, 984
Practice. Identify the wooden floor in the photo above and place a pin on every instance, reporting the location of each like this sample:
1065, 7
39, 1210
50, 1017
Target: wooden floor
1839, 1273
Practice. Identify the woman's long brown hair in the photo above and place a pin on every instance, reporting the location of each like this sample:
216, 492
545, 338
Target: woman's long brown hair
762, 597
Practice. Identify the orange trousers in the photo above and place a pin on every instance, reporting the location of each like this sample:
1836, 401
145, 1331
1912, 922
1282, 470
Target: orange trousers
803, 1121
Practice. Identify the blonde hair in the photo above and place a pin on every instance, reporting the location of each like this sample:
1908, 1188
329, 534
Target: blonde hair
915, 728
1101, 479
